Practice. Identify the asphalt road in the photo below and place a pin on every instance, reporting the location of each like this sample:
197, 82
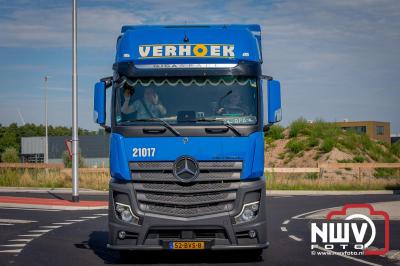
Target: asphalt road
44, 237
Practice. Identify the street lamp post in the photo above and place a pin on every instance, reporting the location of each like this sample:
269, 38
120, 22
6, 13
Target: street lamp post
46, 140
75, 140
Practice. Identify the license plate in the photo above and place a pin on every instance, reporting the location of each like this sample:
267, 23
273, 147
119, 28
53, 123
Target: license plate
186, 245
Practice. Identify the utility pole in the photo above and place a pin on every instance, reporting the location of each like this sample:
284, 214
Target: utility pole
46, 123
75, 139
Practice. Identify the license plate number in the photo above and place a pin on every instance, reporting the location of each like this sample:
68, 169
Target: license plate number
186, 245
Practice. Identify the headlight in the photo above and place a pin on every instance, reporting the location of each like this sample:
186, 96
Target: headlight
125, 214
249, 212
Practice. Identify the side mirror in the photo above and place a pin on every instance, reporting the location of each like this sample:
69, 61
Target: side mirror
99, 112
274, 101
271, 102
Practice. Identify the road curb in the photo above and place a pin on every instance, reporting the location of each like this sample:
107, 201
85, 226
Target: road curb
52, 190
50, 207
59, 204
327, 192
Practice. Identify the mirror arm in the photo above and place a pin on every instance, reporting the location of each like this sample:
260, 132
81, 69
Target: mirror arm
266, 77
107, 81
266, 128
106, 128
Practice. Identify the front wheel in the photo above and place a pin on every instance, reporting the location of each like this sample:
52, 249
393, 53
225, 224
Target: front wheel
125, 255
252, 254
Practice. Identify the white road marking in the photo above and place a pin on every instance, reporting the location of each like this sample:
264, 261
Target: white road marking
14, 245
11, 251
75, 220
283, 229
286, 222
31, 235
62, 223
393, 255
299, 216
6, 224
39, 231
89, 217
14, 221
295, 238
21, 240
347, 257
51, 226
101, 214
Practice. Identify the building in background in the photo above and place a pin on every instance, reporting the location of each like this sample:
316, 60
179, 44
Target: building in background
94, 149
374, 129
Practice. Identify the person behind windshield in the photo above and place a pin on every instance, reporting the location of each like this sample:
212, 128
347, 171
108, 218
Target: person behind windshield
233, 105
147, 107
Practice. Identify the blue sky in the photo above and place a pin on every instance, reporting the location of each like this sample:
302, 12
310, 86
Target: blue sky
336, 59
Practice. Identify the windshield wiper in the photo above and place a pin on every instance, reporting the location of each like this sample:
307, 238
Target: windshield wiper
225, 123
164, 123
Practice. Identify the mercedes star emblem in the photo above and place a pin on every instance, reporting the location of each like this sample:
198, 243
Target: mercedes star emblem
186, 169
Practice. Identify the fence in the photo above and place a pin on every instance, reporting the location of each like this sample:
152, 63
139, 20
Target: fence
327, 166
320, 169
51, 166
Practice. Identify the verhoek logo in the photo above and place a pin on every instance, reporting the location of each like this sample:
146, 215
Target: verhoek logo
336, 234
186, 50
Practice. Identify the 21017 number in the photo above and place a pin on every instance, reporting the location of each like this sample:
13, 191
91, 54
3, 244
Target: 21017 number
144, 152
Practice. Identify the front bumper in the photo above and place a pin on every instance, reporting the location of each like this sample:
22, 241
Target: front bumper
217, 230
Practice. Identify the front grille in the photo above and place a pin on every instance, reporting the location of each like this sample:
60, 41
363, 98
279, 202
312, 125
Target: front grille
169, 234
159, 191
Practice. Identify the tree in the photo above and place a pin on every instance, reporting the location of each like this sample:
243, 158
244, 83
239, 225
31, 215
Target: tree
10, 136
10, 155
8, 139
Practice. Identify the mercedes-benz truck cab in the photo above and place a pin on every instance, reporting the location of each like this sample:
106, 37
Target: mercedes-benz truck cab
188, 110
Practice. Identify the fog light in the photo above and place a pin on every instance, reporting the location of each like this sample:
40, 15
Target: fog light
121, 234
249, 212
125, 214
252, 234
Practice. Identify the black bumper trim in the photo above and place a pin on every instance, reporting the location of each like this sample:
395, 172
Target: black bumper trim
218, 247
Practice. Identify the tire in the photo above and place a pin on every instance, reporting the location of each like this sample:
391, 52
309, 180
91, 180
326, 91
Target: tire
125, 255
252, 254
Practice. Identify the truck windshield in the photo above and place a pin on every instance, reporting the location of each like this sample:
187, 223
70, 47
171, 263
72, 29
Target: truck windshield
229, 100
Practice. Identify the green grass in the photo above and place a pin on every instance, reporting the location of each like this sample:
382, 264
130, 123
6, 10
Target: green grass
52, 179
325, 136
313, 182
295, 146
395, 148
327, 145
298, 127
275, 132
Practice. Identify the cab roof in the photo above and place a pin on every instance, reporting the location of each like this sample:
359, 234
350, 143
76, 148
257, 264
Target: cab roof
189, 44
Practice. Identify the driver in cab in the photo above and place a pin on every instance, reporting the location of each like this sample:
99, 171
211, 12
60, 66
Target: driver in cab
147, 107
233, 105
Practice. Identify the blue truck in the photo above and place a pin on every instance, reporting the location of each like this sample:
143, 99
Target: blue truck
188, 110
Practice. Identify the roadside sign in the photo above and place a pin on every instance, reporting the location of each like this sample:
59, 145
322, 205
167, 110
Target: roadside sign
68, 143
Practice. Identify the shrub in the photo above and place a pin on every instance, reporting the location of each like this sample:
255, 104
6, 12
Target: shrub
298, 127
322, 130
275, 132
350, 141
311, 176
327, 145
68, 162
395, 148
358, 159
295, 146
385, 172
10, 155
312, 142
